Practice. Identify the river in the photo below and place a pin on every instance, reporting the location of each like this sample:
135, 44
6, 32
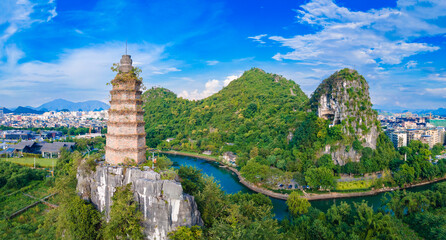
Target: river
230, 184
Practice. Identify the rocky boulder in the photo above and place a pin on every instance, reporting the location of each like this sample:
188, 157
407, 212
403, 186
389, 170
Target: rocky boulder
162, 202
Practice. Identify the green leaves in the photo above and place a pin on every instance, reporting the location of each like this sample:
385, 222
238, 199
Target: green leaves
125, 219
320, 178
256, 110
296, 204
254, 171
186, 233
82, 219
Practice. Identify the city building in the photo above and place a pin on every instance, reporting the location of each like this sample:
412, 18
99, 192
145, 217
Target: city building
52, 150
414, 134
27, 147
399, 139
428, 139
229, 157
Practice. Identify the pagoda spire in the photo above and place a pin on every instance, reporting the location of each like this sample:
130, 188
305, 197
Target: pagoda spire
125, 65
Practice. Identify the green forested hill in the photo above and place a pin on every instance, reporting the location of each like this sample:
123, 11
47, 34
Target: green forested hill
268, 122
257, 110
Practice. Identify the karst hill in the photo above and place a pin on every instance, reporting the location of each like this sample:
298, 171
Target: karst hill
343, 100
266, 116
257, 109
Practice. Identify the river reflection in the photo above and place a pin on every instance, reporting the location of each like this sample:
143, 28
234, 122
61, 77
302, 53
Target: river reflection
230, 184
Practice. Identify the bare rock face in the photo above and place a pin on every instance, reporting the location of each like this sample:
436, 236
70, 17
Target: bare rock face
344, 100
162, 202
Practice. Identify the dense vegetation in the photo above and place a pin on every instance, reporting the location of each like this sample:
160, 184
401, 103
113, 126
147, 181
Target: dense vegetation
405, 215
14, 177
75, 218
15, 182
265, 119
258, 110
273, 128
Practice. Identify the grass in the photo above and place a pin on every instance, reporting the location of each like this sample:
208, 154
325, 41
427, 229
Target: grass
16, 201
26, 225
42, 162
354, 185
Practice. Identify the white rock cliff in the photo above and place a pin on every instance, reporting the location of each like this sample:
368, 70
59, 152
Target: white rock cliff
162, 202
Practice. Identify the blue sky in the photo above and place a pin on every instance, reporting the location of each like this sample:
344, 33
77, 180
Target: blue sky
64, 49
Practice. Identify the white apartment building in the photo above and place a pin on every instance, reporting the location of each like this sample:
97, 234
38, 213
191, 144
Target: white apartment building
399, 139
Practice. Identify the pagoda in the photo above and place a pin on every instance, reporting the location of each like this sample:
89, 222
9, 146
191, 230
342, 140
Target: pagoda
126, 138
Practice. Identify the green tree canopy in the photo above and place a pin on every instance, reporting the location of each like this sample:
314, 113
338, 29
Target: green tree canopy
321, 177
125, 219
296, 204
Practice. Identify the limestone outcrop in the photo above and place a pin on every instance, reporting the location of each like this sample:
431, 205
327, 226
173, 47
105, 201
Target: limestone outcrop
344, 100
162, 202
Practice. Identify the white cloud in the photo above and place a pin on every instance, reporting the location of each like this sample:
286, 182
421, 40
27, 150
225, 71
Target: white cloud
13, 54
361, 38
439, 77
440, 92
82, 73
229, 79
411, 64
53, 14
212, 62
211, 87
258, 38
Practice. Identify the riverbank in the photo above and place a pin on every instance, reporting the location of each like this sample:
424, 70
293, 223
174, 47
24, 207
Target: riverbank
311, 196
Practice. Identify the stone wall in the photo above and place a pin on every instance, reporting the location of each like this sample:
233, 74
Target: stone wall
162, 202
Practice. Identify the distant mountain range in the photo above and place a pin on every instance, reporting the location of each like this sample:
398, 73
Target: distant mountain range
383, 109
440, 112
60, 105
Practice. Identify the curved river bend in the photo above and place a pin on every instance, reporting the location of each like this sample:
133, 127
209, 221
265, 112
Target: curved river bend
230, 184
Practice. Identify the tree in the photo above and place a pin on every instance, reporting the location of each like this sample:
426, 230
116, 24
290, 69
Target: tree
321, 177
296, 204
211, 201
437, 149
325, 161
339, 215
191, 179
163, 163
406, 174
186, 233
371, 225
254, 171
74, 218
83, 220
125, 219
250, 110
428, 171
